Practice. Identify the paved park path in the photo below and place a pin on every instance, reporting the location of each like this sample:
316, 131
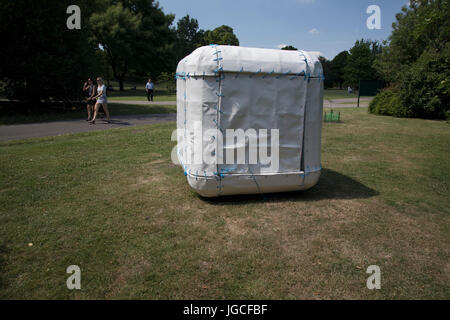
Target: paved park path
346, 103
56, 128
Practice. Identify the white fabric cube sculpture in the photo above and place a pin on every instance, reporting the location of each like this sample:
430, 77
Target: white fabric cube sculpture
269, 101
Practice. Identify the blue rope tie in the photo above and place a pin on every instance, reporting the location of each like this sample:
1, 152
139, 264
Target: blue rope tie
237, 74
268, 74
283, 74
256, 73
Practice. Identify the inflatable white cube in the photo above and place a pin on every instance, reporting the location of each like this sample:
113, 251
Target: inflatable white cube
275, 94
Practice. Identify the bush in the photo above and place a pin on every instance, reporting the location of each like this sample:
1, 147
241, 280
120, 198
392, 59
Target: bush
425, 87
389, 103
423, 90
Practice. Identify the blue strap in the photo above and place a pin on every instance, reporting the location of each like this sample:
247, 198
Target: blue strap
251, 75
238, 73
268, 74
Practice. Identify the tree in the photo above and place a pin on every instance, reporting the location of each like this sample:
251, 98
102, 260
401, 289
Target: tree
289, 48
337, 68
117, 30
221, 35
326, 67
416, 62
41, 59
360, 62
423, 26
189, 36
135, 37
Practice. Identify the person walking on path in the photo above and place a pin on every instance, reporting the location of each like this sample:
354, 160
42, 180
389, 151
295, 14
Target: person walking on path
101, 100
149, 87
89, 91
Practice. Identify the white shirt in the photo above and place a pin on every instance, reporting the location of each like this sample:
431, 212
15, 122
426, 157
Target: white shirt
102, 89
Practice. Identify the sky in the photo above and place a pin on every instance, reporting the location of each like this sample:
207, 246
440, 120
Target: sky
328, 26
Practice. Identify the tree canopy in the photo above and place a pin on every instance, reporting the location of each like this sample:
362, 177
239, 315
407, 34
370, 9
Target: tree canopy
337, 68
416, 62
360, 61
189, 36
134, 35
43, 60
289, 47
221, 35
40, 58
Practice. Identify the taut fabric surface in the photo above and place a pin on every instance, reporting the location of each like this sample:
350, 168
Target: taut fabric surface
227, 87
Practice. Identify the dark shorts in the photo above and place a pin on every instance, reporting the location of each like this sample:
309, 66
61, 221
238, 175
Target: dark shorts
91, 102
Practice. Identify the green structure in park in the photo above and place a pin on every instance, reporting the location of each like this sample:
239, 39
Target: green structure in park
369, 88
332, 117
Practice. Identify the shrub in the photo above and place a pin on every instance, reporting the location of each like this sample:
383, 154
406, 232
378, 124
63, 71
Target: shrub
425, 87
423, 90
388, 102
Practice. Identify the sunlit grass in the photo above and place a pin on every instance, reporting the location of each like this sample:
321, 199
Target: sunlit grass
114, 204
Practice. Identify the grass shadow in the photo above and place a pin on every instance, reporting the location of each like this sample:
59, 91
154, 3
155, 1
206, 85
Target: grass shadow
331, 185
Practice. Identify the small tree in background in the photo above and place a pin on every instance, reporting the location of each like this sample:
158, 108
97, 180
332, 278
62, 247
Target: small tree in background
359, 64
289, 48
189, 36
326, 66
337, 67
221, 35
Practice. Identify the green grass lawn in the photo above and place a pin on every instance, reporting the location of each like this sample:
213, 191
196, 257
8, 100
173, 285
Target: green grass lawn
141, 95
79, 113
112, 203
162, 95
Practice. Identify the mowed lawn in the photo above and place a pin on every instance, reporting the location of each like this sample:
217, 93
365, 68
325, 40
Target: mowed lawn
112, 203
163, 95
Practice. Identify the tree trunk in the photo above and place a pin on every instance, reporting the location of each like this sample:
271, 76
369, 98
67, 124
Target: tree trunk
120, 79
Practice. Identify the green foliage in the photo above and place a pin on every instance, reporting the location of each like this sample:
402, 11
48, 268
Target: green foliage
40, 58
117, 30
337, 68
326, 67
134, 36
359, 64
169, 79
423, 26
423, 92
221, 35
425, 86
417, 59
189, 36
289, 48
389, 103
